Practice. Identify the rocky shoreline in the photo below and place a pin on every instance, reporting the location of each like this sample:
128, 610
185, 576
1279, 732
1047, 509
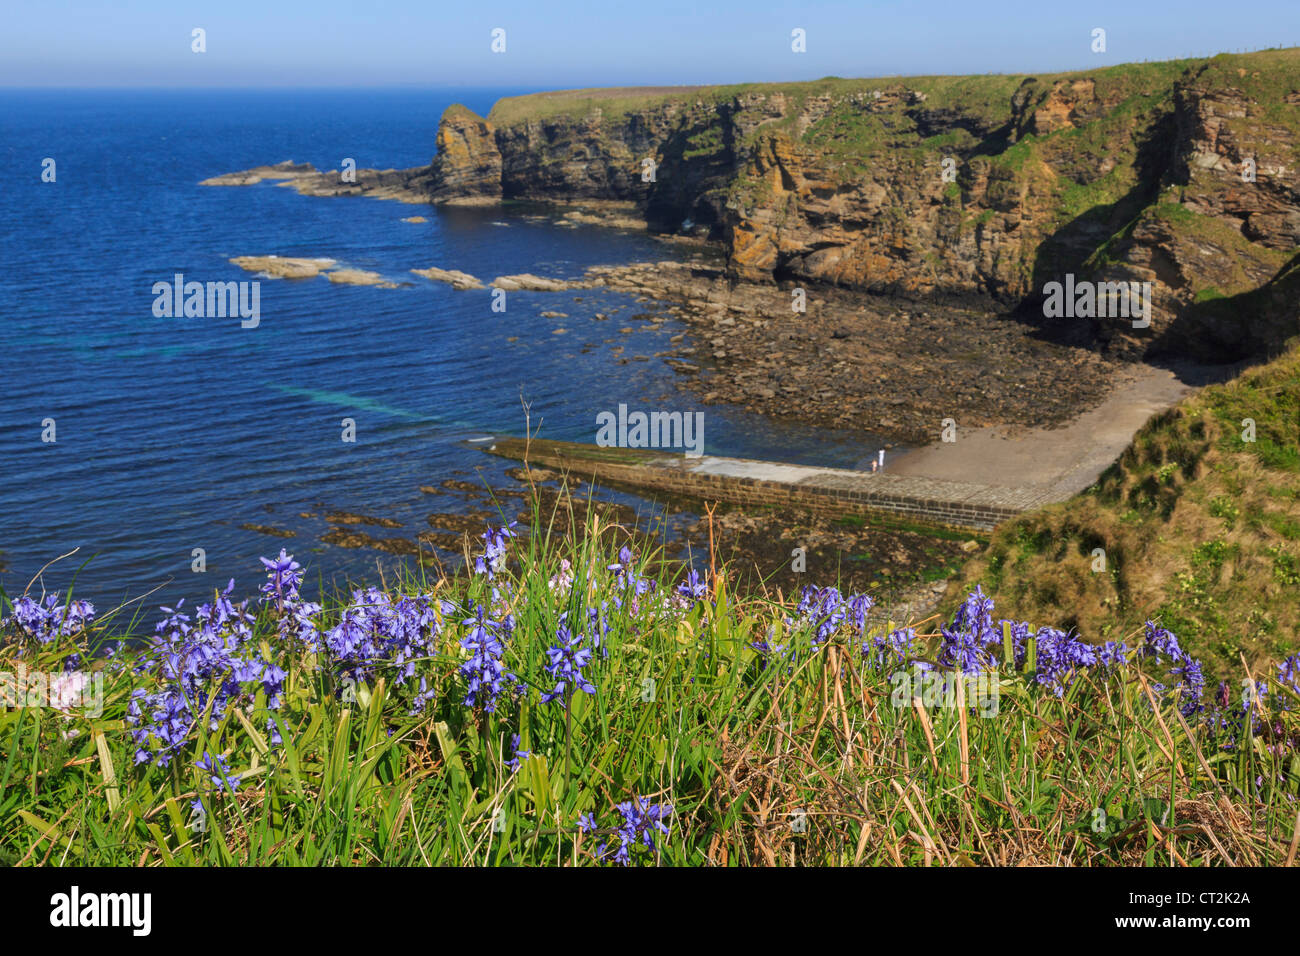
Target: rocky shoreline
403, 185
903, 567
858, 362
881, 365
849, 361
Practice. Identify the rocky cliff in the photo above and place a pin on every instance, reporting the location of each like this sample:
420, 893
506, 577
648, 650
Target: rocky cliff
1183, 174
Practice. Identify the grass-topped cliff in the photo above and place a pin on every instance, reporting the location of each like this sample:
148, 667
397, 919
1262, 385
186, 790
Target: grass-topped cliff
572, 705
1130, 172
1200, 528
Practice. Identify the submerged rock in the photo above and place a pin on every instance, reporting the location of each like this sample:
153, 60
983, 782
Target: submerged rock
248, 177
457, 279
528, 281
347, 517
360, 277
278, 267
268, 529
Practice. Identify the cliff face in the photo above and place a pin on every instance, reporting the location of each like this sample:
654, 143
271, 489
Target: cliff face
979, 188
468, 163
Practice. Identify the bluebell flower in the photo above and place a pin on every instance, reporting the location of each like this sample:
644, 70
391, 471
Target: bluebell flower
284, 578
823, 610
42, 622
495, 546
891, 649
565, 661
857, 607
693, 590
219, 772
627, 581
1161, 643
484, 672
513, 763
641, 821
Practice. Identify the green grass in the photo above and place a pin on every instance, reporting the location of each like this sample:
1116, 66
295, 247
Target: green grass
1199, 525
821, 762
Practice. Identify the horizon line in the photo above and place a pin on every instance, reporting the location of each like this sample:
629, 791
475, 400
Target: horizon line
435, 85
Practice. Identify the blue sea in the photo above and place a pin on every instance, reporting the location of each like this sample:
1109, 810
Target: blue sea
171, 433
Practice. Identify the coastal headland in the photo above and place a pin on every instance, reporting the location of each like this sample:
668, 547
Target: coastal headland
875, 254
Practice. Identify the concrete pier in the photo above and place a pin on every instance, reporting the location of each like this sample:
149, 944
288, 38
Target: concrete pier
740, 481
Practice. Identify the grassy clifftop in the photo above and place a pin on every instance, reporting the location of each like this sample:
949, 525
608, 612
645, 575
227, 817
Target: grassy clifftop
1266, 77
969, 188
565, 705
1200, 530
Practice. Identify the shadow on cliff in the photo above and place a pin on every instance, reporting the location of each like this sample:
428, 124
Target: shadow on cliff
1248, 327
693, 188
1068, 249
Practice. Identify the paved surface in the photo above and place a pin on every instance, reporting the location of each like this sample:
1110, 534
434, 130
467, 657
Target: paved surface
986, 476
1059, 462
837, 481
742, 481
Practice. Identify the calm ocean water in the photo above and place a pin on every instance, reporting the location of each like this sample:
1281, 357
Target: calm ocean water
171, 433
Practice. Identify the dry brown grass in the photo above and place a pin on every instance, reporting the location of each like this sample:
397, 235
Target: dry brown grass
1201, 531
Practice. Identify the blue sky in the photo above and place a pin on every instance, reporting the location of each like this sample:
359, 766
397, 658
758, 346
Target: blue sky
559, 44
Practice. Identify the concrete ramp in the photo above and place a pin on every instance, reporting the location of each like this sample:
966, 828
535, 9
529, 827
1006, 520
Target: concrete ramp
741, 481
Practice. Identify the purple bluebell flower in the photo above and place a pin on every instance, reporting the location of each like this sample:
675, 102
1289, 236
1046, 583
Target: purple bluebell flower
42, 622
893, 648
823, 610
691, 591
565, 661
1288, 674
219, 772
376, 632
969, 641
1161, 643
204, 663
284, 577
641, 821
626, 580
1112, 654
484, 672
975, 616
1059, 656
513, 763
857, 607
496, 543
768, 648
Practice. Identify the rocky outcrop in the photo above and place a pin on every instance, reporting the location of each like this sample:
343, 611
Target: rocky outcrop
961, 189
284, 267
404, 185
249, 177
453, 277
467, 166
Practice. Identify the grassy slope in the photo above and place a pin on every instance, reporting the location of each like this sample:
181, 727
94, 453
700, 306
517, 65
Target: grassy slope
739, 752
1201, 530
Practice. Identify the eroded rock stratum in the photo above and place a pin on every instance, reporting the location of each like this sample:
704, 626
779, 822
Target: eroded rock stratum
1184, 174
